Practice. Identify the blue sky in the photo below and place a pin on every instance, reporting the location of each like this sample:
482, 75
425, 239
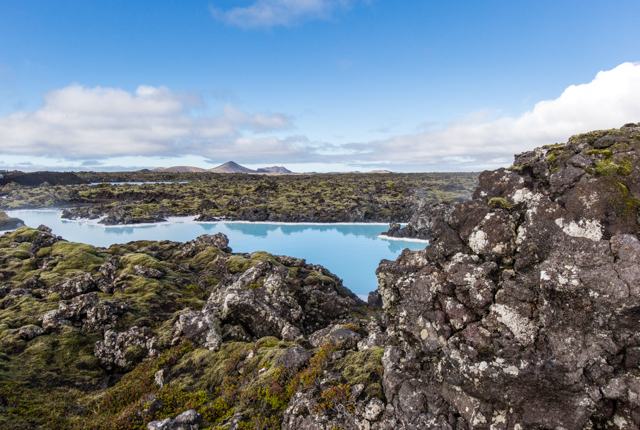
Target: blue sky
323, 85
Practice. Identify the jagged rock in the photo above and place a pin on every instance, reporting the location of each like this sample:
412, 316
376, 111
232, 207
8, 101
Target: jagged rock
294, 358
52, 320
528, 312
187, 420
374, 300
147, 272
108, 270
78, 306
118, 215
44, 240
44, 228
122, 351
17, 292
423, 222
344, 338
4, 291
33, 283
264, 301
199, 327
235, 333
103, 316
28, 332
70, 288
217, 240
290, 333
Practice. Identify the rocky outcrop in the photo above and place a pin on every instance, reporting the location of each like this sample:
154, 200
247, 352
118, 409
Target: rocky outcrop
9, 223
523, 310
122, 351
424, 221
266, 301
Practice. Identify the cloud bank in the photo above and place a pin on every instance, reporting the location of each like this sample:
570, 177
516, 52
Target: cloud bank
272, 13
610, 100
80, 123
76, 122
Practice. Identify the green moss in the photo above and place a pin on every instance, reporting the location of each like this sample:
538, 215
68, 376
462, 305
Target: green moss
203, 258
625, 168
631, 204
26, 310
608, 167
590, 137
499, 203
606, 153
362, 367
74, 259
318, 278
238, 263
138, 259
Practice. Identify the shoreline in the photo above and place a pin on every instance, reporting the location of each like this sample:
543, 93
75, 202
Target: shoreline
188, 219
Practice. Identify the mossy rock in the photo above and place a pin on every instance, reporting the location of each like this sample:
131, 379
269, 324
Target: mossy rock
315, 277
238, 263
205, 257
362, 367
75, 257
589, 137
139, 259
608, 167
9, 223
500, 203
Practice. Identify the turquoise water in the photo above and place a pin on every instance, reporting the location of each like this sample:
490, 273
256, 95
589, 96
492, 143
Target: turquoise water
351, 251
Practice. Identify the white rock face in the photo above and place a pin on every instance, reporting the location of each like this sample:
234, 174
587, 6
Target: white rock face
590, 229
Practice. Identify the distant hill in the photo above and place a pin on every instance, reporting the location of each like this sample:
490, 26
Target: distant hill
228, 167
380, 171
179, 169
231, 167
280, 170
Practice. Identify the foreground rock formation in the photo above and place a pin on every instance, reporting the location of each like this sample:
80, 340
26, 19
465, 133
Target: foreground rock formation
522, 313
524, 310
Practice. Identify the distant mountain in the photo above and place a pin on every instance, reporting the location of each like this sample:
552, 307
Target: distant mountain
179, 169
228, 167
380, 171
231, 167
279, 170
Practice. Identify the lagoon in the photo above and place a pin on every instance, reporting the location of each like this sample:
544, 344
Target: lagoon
351, 251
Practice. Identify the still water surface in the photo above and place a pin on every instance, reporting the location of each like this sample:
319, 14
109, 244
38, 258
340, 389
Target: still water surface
351, 251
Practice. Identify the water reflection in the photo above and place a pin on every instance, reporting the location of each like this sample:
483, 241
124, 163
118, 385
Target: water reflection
351, 251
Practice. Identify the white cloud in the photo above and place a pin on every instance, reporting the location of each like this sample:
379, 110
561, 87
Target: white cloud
271, 13
610, 100
78, 122
83, 123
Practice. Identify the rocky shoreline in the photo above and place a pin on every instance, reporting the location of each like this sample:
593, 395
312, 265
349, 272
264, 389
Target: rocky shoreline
326, 198
522, 313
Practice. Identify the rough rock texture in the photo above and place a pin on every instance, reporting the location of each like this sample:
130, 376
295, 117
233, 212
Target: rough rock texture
424, 221
265, 301
524, 310
188, 420
75, 286
122, 351
9, 223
